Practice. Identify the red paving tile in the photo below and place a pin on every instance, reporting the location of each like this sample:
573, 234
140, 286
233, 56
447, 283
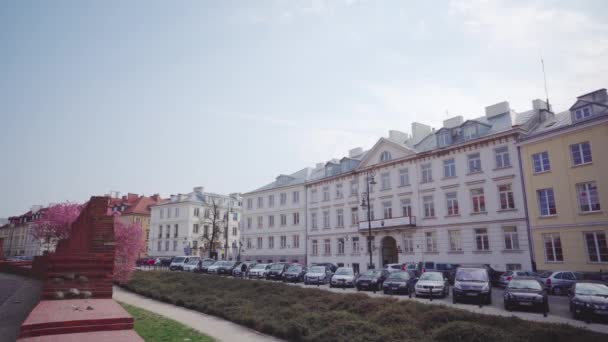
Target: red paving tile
97, 336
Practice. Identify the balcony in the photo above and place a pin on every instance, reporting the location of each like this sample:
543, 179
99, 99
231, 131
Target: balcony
395, 222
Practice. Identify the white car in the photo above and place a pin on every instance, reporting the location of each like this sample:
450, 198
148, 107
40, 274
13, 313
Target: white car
259, 271
192, 265
317, 275
178, 262
432, 284
344, 276
213, 268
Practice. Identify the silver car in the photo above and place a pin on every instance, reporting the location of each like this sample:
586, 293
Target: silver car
259, 271
344, 276
506, 277
432, 284
317, 275
559, 282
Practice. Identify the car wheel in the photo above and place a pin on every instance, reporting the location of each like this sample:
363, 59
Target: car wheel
557, 291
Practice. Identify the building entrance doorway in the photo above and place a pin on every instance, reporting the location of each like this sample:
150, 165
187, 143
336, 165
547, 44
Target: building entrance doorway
389, 251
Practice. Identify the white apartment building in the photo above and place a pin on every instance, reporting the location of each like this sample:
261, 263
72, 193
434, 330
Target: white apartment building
17, 236
451, 195
182, 225
274, 220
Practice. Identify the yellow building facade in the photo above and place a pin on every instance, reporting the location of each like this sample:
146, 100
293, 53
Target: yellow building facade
565, 172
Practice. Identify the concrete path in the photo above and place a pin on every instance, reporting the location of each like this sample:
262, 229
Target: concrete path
18, 295
217, 328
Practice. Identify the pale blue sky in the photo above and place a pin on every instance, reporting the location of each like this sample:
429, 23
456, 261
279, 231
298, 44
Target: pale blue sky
158, 97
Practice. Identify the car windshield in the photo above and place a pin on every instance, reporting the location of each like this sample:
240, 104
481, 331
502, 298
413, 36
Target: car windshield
545, 274
372, 273
345, 271
276, 267
411, 267
179, 259
525, 284
294, 269
193, 262
431, 276
591, 289
208, 262
228, 263
317, 269
259, 267
399, 275
472, 274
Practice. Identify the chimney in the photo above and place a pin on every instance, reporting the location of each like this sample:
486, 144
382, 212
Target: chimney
198, 189
497, 109
132, 197
173, 198
355, 152
155, 197
397, 136
419, 131
319, 165
453, 122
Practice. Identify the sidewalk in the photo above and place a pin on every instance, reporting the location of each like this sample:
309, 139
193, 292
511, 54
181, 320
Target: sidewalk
217, 328
18, 296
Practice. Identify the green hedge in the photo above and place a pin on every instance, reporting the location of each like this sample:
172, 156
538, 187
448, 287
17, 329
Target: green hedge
307, 314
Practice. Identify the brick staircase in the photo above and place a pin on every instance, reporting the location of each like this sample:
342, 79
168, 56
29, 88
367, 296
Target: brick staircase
64, 273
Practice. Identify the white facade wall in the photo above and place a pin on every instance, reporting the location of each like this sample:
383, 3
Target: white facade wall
294, 249
18, 240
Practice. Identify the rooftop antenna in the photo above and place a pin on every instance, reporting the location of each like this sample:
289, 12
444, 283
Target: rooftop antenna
542, 62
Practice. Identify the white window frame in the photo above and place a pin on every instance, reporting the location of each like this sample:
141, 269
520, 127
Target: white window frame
340, 218
589, 190
339, 192
552, 237
404, 177
449, 168
583, 113
326, 221
478, 200
506, 197
406, 207
541, 162
408, 243
482, 239
451, 199
426, 171
385, 181
354, 216
387, 209
578, 149
596, 246
549, 198
502, 157
429, 206
510, 237
430, 241
474, 162
455, 240
313, 221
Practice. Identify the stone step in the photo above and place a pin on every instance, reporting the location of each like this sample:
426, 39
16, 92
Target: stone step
76, 329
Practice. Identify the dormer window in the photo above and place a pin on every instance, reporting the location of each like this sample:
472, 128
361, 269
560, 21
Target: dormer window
444, 139
470, 132
582, 113
385, 156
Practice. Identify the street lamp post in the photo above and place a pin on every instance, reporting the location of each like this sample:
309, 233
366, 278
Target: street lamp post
365, 203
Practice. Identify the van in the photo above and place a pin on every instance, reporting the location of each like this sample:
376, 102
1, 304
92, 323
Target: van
472, 283
177, 264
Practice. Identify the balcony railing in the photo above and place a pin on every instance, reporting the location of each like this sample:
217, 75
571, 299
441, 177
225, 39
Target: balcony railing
395, 222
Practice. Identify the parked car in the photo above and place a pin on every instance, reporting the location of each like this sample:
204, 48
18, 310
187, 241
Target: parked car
413, 268
317, 275
371, 280
493, 274
243, 269
588, 300
399, 282
432, 284
214, 267
329, 265
448, 270
472, 282
344, 277
192, 264
393, 267
177, 264
276, 271
506, 277
258, 271
204, 265
559, 282
226, 267
295, 273
526, 292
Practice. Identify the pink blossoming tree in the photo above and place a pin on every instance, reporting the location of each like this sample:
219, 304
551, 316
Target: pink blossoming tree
55, 223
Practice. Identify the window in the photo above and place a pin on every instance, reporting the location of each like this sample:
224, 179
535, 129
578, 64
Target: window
546, 202
327, 247
249, 203
355, 242
313, 221
283, 219
205, 230
588, 198
162, 214
283, 198
340, 246
479, 202
160, 232
207, 213
340, 218
385, 181
260, 221
431, 241
541, 162
427, 173
194, 245
339, 193
260, 202
196, 212
429, 206
295, 241
474, 161
444, 139
553, 247
259, 243
406, 207
597, 250
582, 113
271, 242
354, 187
470, 132
385, 156
506, 197
249, 222
511, 239
176, 231
315, 247
270, 220
481, 239
283, 241
248, 244
270, 201
159, 245
408, 243
176, 212
168, 232
166, 245
404, 177
581, 153
452, 203
174, 246
388, 209
296, 219
354, 216
325, 193
326, 219
502, 157
513, 267
455, 242
296, 197
168, 212
195, 228
371, 211
449, 168
313, 195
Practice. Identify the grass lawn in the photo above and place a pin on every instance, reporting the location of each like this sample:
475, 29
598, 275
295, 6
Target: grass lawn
155, 328
307, 314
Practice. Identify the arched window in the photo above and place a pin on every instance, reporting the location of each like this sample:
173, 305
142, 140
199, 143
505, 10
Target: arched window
385, 156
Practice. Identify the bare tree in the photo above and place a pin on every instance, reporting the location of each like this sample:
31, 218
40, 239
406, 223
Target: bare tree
211, 216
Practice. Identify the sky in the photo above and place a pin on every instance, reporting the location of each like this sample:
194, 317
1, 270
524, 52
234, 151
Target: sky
162, 96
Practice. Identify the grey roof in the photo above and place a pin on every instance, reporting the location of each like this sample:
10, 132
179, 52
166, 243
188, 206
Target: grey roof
298, 177
559, 120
